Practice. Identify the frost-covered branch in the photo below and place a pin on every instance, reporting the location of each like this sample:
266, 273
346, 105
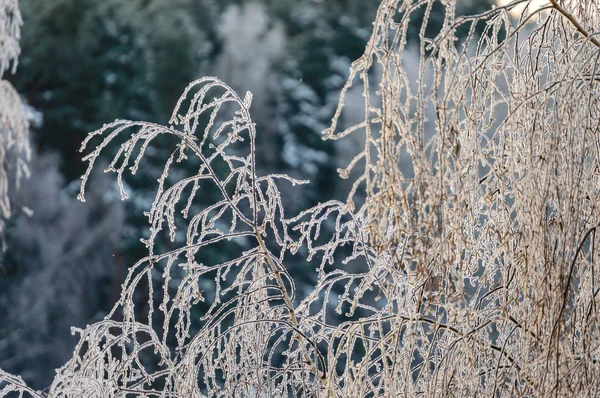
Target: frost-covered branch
463, 261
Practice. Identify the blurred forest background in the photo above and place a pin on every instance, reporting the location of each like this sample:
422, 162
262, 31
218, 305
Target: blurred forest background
87, 62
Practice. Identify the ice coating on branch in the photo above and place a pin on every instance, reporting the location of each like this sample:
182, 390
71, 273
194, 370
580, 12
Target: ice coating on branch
464, 259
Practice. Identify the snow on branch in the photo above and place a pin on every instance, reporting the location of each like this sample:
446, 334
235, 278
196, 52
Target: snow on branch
464, 262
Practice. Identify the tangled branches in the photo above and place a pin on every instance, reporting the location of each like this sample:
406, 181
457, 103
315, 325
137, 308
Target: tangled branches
470, 234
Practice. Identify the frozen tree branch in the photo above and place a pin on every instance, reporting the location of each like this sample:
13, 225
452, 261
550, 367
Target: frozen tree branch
463, 262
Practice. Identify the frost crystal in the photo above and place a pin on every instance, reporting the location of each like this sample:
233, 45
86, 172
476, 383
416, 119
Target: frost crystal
464, 259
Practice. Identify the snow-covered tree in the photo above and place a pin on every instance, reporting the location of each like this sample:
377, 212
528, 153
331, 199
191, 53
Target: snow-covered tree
14, 114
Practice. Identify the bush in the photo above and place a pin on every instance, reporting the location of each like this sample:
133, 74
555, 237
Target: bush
464, 259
